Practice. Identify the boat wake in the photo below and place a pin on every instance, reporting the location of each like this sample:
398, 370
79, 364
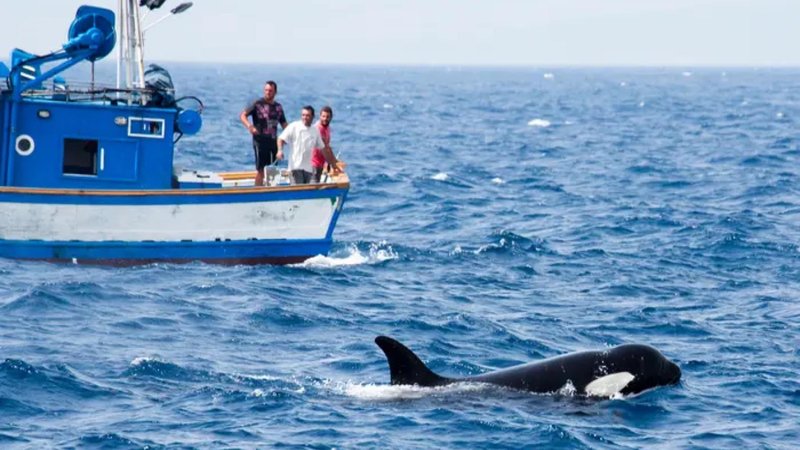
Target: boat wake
352, 256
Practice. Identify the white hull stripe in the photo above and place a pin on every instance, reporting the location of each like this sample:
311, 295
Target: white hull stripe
289, 219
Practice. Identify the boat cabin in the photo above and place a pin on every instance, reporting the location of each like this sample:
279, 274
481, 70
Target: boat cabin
53, 135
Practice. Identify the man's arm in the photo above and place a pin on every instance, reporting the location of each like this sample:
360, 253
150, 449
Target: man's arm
282, 140
243, 118
281, 143
330, 158
282, 120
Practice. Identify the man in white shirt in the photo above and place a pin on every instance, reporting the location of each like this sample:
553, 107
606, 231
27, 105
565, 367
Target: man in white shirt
302, 139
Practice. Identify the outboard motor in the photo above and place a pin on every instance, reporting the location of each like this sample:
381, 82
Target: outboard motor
159, 81
162, 94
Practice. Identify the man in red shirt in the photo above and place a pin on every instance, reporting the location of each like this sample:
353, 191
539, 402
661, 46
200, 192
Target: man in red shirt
322, 155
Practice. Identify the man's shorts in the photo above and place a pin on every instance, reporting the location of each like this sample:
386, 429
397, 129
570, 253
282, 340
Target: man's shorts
300, 176
265, 149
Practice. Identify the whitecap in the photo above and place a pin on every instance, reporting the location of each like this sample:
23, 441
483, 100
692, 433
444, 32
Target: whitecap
641, 104
687, 74
257, 393
388, 106
548, 76
623, 84
779, 115
138, 361
441, 176
498, 180
539, 123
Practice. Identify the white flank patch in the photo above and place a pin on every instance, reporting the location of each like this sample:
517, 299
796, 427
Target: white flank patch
498, 180
539, 123
609, 385
441, 176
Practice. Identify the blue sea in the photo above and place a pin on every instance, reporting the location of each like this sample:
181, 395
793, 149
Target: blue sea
497, 216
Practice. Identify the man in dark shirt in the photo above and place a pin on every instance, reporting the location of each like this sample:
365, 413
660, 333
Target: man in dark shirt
266, 114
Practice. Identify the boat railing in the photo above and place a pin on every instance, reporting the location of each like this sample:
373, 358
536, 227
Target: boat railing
90, 92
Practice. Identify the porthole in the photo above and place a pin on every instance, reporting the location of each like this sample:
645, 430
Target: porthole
25, 145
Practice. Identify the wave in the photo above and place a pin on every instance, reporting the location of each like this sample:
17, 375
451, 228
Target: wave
509, 242
45, 385
36, 300
154, 367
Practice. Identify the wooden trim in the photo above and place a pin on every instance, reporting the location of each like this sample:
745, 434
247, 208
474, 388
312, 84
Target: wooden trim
342, 182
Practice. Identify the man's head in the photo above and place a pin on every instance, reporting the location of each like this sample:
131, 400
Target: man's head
307, 115
270, 89
325, 116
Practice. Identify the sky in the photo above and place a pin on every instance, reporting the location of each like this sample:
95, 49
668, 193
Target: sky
687, 33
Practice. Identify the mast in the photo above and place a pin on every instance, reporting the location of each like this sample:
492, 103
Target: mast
120, 40
137, 30
131, 50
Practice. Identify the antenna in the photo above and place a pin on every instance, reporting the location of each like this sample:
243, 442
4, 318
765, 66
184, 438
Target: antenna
176, 10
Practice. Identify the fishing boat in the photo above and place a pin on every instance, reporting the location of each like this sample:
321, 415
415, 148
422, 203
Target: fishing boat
87, 174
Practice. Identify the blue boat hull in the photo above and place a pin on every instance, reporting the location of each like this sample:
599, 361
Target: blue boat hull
128, 253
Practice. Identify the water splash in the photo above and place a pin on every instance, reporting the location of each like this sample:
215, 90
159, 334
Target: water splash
383, 392
568, 390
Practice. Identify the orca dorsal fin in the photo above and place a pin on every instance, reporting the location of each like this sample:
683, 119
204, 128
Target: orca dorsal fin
405, 367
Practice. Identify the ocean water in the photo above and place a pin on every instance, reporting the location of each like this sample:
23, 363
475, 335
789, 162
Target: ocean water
497, 216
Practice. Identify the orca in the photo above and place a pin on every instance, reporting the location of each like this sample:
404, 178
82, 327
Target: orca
621, 370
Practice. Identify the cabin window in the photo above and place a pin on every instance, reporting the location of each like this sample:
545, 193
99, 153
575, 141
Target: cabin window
80, 157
